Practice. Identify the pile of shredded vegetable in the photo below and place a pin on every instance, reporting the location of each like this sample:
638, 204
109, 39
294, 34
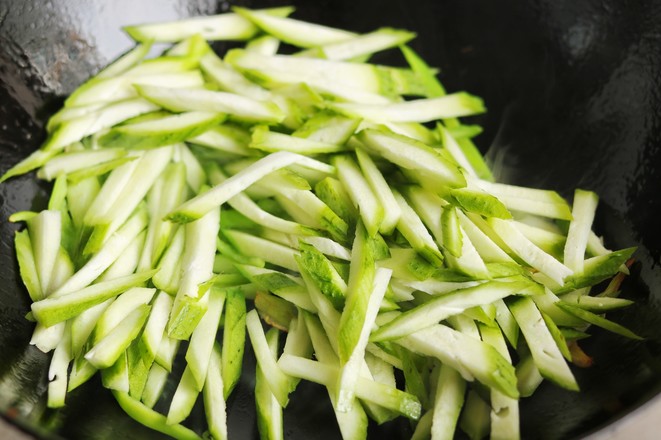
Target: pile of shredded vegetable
342, 202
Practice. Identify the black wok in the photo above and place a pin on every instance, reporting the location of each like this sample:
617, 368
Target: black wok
574, 98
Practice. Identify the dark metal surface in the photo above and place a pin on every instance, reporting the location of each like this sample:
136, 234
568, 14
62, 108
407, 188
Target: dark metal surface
574, 98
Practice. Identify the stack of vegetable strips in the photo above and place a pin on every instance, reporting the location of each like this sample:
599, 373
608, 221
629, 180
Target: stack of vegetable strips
341, 202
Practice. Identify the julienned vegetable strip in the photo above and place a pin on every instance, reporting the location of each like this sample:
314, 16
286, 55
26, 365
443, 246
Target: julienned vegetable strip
342, 202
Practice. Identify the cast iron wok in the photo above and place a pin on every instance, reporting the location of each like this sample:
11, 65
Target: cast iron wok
574, 100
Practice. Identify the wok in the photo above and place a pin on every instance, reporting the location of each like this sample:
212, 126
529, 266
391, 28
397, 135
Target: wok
574, 100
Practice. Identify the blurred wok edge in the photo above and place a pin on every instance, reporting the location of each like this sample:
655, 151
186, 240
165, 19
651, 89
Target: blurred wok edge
574, 100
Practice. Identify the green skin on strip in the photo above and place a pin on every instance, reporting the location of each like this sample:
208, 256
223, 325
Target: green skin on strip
331, 192
602, 268
126, 136
140, 360
413, 367
273, 281
323, 273
186, 314
32, 162
359, 289
332, 223
234, 336
452, 236
597, 320
26, 264
50, 311
152, 419
480, 203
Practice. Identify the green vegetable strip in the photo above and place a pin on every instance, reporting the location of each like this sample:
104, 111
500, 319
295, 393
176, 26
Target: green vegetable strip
448, 401
504, 409
168, 191
234, 335
583, 211
507, 323
27, 266
328, 247
225, 138
274, 253
471, 357
115, 377
80, 194
441, 307
219, 194
151, 133
453, 147
167, 350
75, 161
451, 236
369, 390
420, 110
530, 200
352, 423
474, 419
154, 386
184, 398
350, 369
412, 228
412, 155
125, 62
214, 400
45, 234
214, 104
202, 339
342, 79
528, 252
359, 289
324, 274
114, 314
119, 88
197, 267
196, 177
110, 191
228, 26
91, 123
107, 255
265, 140
229, 79
83, 325
146, 347
50, 311
597, 320
269, 410
545, 352
298, 341
81, 372
33, 161
114, 344
382, 191
296, 32
57, 372
168, 273
152, 419
315, 214
250, 209
366, 44
277, 381
549, 241
264, 44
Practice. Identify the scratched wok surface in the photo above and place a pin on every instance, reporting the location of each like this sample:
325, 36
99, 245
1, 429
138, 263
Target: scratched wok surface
574, 100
